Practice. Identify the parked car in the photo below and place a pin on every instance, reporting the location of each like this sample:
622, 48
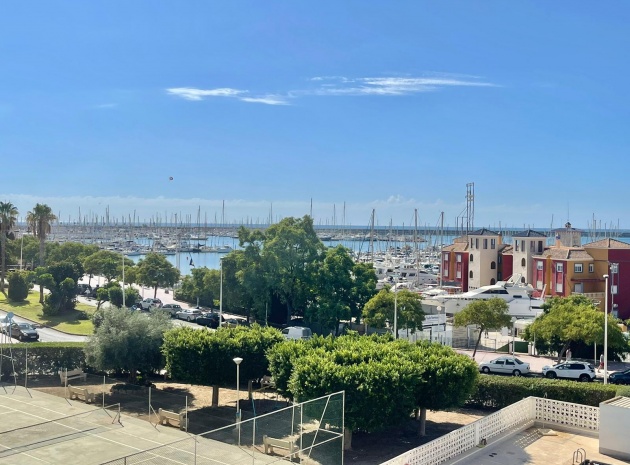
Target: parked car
22, 332
150, 304
234, 322
506, 365
190, 314
580, 371
172, 309
297, 332
620, 377
209, 319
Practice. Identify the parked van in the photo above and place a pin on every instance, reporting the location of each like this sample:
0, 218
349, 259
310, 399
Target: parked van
297, 332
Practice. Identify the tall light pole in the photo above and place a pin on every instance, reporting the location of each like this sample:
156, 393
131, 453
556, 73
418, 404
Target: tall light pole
221, 300
606, 331
238, 361
396, 308
123, 278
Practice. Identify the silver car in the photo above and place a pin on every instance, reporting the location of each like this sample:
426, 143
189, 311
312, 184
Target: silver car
505, 365
189, 314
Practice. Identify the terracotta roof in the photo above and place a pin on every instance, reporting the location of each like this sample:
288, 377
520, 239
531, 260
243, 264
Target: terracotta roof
461, 239
607, 243
566, 253
456, 247
506, 248
529, 233
483, 232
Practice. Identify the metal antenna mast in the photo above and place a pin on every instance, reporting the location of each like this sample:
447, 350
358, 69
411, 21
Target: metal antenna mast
470, 207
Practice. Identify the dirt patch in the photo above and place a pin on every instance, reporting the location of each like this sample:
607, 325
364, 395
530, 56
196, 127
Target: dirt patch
367, 449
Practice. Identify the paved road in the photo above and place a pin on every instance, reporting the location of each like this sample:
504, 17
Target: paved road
45, 334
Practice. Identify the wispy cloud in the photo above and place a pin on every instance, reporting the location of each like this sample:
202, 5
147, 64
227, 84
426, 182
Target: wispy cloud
341, 86
190, 93
268, 99
393, 85
105, 106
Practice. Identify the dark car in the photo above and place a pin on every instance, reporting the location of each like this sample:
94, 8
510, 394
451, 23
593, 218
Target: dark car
22, 332
210, 320
620, 377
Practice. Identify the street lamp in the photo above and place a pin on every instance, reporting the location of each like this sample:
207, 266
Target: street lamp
396, 309
123, 278
606, 331
221, 302
238, 361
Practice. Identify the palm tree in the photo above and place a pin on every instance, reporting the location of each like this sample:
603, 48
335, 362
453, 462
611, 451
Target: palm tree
8, 217
40, 221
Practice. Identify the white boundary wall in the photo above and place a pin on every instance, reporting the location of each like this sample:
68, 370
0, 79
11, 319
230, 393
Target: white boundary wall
517, 416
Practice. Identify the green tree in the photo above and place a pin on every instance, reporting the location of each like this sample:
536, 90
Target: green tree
102, 295
204, 357
333, 294
75, 252
115, 296
202, 284
573, 319
18, 286
62, 287
155, 271
105, 263
379, 311
290, 257
40, 221
8, 217
489, 314
128, 341
363, 289
447, 382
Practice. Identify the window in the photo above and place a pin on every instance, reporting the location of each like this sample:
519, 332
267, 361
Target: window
577, 267
485, 243
471, 242
458, 258
558, 287
539, 265
516, 243
522, 262
477, 243
499, 275
493, 266
471, 257
539, 285
492, 281
446, 257
559, 268
470, 275
523, 246
446, 272
493, 244
532, 246
500, 259
458, 274
591, 268
540, 246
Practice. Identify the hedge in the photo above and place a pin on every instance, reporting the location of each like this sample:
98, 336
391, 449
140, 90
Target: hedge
44, 358
500, 391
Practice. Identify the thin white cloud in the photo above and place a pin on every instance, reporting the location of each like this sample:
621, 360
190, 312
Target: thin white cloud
190, 93
105, 106
268, 100
341, 86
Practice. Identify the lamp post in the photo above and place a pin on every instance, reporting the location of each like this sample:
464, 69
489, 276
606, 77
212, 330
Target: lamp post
606, 331
396, 308
123, 278
221, 301
238, 361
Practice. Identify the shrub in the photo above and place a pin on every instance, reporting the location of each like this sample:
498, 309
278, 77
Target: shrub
44, 358
623, 391
500, 391
18, 286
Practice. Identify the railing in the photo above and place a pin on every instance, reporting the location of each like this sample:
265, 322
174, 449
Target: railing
519, 415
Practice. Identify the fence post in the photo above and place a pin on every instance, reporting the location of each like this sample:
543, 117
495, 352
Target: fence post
26, 368
103, 391
150, 404
186, 415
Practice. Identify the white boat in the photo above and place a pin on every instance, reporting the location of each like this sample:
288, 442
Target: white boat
223, 249
518, 295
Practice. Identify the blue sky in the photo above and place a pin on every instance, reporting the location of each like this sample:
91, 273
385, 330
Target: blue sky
387, 105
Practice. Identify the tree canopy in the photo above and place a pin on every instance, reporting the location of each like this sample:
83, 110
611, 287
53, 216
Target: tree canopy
40, 221
128, 341
8, 217
379, 311
572, 319
156, 271
487, 314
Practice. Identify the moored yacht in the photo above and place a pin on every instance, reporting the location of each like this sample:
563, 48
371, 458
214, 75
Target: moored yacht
518, 295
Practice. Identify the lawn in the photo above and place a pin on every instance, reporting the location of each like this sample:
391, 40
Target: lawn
68, 322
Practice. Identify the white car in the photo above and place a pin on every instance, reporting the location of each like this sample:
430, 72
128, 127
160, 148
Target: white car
190, 314
505, 365
579, 371
297, 332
